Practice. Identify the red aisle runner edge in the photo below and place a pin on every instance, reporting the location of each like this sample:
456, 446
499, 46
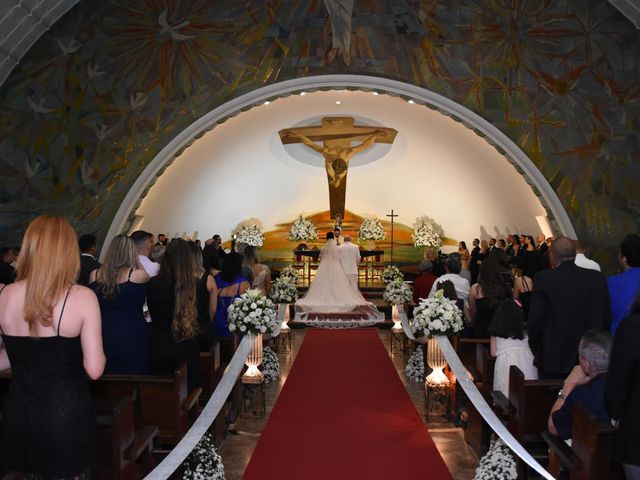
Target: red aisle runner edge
344, 414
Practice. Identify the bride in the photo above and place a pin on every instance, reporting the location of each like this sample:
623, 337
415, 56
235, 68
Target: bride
331, 291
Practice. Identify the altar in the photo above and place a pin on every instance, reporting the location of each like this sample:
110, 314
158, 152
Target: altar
369, 270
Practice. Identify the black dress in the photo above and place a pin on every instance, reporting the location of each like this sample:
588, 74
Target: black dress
205, 324
167, 353
49, 424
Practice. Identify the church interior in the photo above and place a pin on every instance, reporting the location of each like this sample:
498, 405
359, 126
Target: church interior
217, 162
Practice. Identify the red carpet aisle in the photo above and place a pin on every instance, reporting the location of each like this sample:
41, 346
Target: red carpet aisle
344, 414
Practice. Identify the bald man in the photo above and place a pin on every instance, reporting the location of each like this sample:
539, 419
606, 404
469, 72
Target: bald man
567, 301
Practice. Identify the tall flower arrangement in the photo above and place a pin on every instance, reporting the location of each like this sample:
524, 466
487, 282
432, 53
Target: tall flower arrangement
284, 290
249, 232
427, 233
398, 292
303, 229
290, 273
436, 315
391, 274
371, 229
252, 314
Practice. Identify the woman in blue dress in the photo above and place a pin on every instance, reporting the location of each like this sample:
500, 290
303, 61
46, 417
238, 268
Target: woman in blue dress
121, 286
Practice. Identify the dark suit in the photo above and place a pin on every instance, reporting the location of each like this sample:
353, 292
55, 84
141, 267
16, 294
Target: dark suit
566, 302
87, 265
622, 392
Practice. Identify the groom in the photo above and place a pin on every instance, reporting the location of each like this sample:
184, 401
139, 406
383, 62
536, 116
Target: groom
350, 258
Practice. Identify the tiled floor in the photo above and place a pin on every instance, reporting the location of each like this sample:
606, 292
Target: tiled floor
237, 448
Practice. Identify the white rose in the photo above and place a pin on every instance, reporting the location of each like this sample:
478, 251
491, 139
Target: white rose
242, 328
232, 327
253, 305
447, 315
262, 328
437, 324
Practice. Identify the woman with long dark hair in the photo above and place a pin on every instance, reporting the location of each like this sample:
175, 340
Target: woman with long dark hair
230, 284
494, 285
121, 287
172, 301
51, 338
205, 298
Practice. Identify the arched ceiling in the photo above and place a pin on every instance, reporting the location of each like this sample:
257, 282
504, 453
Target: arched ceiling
23, 22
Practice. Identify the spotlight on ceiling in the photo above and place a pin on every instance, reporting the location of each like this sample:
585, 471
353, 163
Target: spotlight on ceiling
411, 102
267, 102
338, 102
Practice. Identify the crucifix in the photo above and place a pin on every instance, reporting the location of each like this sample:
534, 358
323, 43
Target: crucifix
336, 135
392, 215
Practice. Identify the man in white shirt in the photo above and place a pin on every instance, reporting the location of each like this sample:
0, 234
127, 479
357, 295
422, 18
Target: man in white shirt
461, 285
144, 244
350, 258
581, 259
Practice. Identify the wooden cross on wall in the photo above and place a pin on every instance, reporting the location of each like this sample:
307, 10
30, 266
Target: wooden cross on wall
336, 135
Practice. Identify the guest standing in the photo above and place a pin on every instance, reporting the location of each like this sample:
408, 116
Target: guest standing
206, 300
566, 302
172, 302
144, 244
464, 255
51, 336
422, 285
622, 391
261, 273
121, 286
474, 266
88, 262
7, 271
523, 290
624, 287
230, 284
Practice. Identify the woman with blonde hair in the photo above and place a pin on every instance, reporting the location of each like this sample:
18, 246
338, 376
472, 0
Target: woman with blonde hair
261, 273
173, 305
52, 340
121, 287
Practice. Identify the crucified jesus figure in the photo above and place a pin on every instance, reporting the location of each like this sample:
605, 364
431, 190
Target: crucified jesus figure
336, 158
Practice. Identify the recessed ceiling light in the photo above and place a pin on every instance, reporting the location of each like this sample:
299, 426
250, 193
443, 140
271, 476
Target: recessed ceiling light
411, 102
303, 93
375, 93
338, 102
267, 102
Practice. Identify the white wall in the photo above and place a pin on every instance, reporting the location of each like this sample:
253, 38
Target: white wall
436, 167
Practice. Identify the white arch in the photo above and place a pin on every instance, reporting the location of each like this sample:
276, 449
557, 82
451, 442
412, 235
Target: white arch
470, 119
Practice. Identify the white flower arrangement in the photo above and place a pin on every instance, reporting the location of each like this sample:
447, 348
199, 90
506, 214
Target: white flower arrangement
204, 462
415, 366
303, 229
270, 365
436, 315
427, 233
290, 273
398, 292
249, 232
497, 464
391, 274
284, 290
371, 229
252, 314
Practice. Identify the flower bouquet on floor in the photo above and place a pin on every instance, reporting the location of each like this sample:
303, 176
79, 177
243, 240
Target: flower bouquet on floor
249, 232
204, 462
270, 365
391, 273
415, 365
427, 233
436, 315
497, 464
252, 314
398, 292
284, 290
303, 229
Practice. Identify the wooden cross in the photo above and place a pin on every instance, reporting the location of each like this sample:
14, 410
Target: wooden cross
336, 135
392, 215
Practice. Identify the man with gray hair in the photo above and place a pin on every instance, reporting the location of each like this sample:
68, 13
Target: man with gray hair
422, 285
453, 267
584, 385
566, 302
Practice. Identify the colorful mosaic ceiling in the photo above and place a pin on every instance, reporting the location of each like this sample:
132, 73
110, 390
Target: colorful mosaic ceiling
112, 82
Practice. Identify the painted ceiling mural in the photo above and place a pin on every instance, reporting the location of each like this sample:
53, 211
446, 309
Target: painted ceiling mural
113, 82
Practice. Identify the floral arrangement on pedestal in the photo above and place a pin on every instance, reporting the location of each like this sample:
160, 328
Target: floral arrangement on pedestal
290, 273
497, 464
270, 365
371, 229
398, 292
427, 233
391, 273
249, 232
252, 314
204, 462
284, 290
303, 229
436, 315
415, 365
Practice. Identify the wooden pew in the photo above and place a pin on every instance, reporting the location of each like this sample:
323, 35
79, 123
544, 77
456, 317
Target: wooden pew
123, 453
211, 371
590, 456
466, 348
161, 401
478, 433
527, 410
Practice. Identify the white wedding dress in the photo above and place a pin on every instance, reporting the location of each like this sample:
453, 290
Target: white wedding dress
332, 293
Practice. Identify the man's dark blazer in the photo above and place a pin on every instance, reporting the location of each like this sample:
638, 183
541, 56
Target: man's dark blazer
87, 265
566, 302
